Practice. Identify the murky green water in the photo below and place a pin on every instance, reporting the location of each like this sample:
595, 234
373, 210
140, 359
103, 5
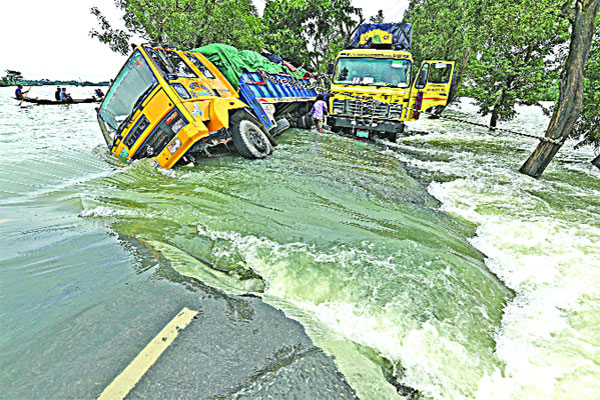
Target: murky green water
378, 251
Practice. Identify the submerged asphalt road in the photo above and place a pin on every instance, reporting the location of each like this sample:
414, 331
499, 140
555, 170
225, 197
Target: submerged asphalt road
235, 347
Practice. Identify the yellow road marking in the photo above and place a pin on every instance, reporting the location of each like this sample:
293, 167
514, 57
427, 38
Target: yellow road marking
4, 220
122, 384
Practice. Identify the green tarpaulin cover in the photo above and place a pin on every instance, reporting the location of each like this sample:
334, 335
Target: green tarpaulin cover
233, 62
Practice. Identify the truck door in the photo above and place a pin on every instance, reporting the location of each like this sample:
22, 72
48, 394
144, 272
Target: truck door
431, 87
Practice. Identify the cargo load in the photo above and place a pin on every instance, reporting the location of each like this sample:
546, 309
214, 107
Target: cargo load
383, 36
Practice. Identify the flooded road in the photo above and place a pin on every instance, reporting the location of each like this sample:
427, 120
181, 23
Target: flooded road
332, 269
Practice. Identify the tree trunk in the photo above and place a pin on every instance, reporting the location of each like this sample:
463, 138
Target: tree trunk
570, 100
494, 120
458, 74
596, 161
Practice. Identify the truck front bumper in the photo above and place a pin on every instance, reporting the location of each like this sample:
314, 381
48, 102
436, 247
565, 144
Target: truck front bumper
365, 123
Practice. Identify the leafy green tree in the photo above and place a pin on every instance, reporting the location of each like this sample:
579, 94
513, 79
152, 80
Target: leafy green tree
582, 15
448, 30
309, 33
12, 77
515, 69
184, 24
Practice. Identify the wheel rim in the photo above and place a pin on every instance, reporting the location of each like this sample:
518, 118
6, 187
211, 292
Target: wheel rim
258, 139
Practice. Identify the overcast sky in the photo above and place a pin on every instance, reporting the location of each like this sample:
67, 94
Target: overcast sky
50, 38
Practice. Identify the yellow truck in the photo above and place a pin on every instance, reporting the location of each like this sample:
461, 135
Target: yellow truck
373, 90
174, 105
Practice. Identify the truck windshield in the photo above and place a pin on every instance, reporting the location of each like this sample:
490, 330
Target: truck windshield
373, 71
132, 85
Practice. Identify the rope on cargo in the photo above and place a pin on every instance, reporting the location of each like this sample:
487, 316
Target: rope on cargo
371, 100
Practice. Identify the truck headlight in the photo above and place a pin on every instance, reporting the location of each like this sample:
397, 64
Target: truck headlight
174, 146
175, 121
338, 107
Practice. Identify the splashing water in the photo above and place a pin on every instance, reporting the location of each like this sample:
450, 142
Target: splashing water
429, 264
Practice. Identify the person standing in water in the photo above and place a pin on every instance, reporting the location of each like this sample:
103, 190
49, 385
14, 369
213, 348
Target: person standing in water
318, 112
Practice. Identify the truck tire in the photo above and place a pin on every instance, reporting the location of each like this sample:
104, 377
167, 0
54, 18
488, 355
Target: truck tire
304, 122
248, 135
281, 125
396, 135
392, 136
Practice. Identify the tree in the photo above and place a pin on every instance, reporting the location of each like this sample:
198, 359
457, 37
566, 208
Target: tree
449, 30
567, 111
515, 69
184, 24
12, 77
587, 128
377, 18
309, 33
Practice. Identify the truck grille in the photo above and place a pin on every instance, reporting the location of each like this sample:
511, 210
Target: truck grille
367, 109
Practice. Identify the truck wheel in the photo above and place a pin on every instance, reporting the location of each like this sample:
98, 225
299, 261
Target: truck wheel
392, 137
280, 126
248, 136
305, 122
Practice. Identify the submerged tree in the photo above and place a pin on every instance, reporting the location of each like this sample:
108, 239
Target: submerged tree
518, 67
587, 128
569, 105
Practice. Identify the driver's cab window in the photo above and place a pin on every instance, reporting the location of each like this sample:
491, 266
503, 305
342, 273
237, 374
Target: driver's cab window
440, 73
200, 65
179, 67
158, 61
422, 79
169, 62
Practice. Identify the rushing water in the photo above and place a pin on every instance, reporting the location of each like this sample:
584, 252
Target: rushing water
430, 264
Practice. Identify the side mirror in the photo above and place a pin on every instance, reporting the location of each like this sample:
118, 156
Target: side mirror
330, 69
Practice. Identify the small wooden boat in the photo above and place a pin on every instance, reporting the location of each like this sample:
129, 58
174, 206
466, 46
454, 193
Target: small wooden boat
48, 102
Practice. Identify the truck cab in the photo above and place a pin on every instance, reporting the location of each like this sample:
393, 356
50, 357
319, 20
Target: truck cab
373, 87
167, 104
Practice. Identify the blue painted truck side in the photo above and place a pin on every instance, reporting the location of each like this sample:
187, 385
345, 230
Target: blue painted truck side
257, 91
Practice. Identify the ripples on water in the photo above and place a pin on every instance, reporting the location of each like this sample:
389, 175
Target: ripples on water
335, 233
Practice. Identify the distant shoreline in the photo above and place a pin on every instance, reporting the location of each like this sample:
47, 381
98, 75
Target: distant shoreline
54, 83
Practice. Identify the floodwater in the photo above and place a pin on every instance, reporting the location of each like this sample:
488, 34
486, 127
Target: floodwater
335, 268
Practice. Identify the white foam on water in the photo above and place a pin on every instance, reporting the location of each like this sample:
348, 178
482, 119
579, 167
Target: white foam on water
429, 356
103, 211
549, 341
548, 346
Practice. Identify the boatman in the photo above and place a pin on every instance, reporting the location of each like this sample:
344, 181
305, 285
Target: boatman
57, 93
19, 94
64, 96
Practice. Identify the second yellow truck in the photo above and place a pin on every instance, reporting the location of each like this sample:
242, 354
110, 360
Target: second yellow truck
373, 90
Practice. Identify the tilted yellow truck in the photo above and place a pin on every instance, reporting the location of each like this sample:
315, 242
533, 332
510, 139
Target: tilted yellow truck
373, 88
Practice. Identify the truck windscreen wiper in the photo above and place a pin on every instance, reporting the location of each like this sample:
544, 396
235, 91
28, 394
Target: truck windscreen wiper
139, 100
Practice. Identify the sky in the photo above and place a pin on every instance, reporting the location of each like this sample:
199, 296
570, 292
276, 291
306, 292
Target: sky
50, 39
